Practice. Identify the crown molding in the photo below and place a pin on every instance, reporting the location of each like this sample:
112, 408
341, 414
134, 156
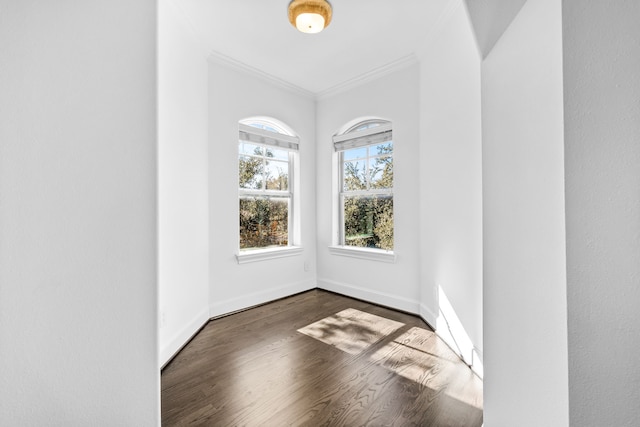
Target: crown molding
218, 58
444, 18
414, 58
376, 73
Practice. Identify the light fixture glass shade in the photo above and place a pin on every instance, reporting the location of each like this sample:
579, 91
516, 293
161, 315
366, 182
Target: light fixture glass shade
310, 16
310, 23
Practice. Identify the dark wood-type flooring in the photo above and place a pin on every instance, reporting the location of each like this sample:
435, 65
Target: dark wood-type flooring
363, 365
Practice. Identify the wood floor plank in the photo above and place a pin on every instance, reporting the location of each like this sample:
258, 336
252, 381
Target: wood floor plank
254, 368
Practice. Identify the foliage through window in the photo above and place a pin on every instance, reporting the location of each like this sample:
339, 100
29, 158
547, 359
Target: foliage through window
365, 153
266, 155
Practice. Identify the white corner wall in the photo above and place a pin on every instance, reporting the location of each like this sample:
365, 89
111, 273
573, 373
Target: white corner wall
393, 97
183, 182
490, 18
602, 169
525, 315
451, 178
78, 265
236, 94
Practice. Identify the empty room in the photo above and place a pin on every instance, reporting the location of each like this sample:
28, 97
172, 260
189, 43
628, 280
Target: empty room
311, 212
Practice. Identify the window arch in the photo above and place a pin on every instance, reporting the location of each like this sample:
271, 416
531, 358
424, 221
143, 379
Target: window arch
365, 180
269, 124
267, 153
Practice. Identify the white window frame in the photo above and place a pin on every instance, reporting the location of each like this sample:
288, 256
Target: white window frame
366, 133
257, 131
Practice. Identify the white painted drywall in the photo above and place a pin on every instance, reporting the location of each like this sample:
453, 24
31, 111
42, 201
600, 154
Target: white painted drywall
234, 95
183, 182
525, 316
490, 19
394, 97
451, 174
78, 271
602, 171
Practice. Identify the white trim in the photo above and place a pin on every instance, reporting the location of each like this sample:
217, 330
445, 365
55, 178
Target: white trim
375, 192
428, 316
477, 365
182, 337
249, 192
359, 121
451, 330
404, 304
364, 253
388, 300
221, 59
255, 255
444, 334
228, 306
376, 73
369, 76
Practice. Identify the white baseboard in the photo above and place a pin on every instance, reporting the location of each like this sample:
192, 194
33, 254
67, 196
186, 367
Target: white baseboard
265, 296
382, 298
407, 305
428, 316
245, 301
451, 330
182, 337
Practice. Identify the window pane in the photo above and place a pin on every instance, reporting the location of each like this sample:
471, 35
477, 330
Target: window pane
355, 153
368, 221
274, 153
381, 172
264, 222
277, 175
366, 126
250, 171
265, 126
386, 148
354, 174
248, 148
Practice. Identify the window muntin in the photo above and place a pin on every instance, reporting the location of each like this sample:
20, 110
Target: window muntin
365, 153
266, 155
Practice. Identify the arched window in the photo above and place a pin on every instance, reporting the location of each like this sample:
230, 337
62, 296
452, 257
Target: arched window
365, 159
267, 151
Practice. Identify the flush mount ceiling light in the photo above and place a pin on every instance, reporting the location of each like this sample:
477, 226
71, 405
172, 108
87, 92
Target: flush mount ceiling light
310, 16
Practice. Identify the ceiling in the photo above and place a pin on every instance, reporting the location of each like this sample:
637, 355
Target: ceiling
364, 35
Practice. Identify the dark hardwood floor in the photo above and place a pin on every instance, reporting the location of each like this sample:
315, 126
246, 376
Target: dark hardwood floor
319, 359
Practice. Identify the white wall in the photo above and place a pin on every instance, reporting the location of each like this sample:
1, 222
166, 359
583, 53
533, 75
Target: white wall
602, 145
525, 320
78, 214
394, 97
183, 196
236, 94
490, 19
451, 175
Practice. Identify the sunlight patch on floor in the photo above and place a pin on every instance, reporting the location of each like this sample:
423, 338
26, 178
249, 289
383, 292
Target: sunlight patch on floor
351, 330
407, 356
463, 395
420, 356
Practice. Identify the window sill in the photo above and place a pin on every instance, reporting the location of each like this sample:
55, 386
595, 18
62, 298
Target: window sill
256, 255
364, 253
